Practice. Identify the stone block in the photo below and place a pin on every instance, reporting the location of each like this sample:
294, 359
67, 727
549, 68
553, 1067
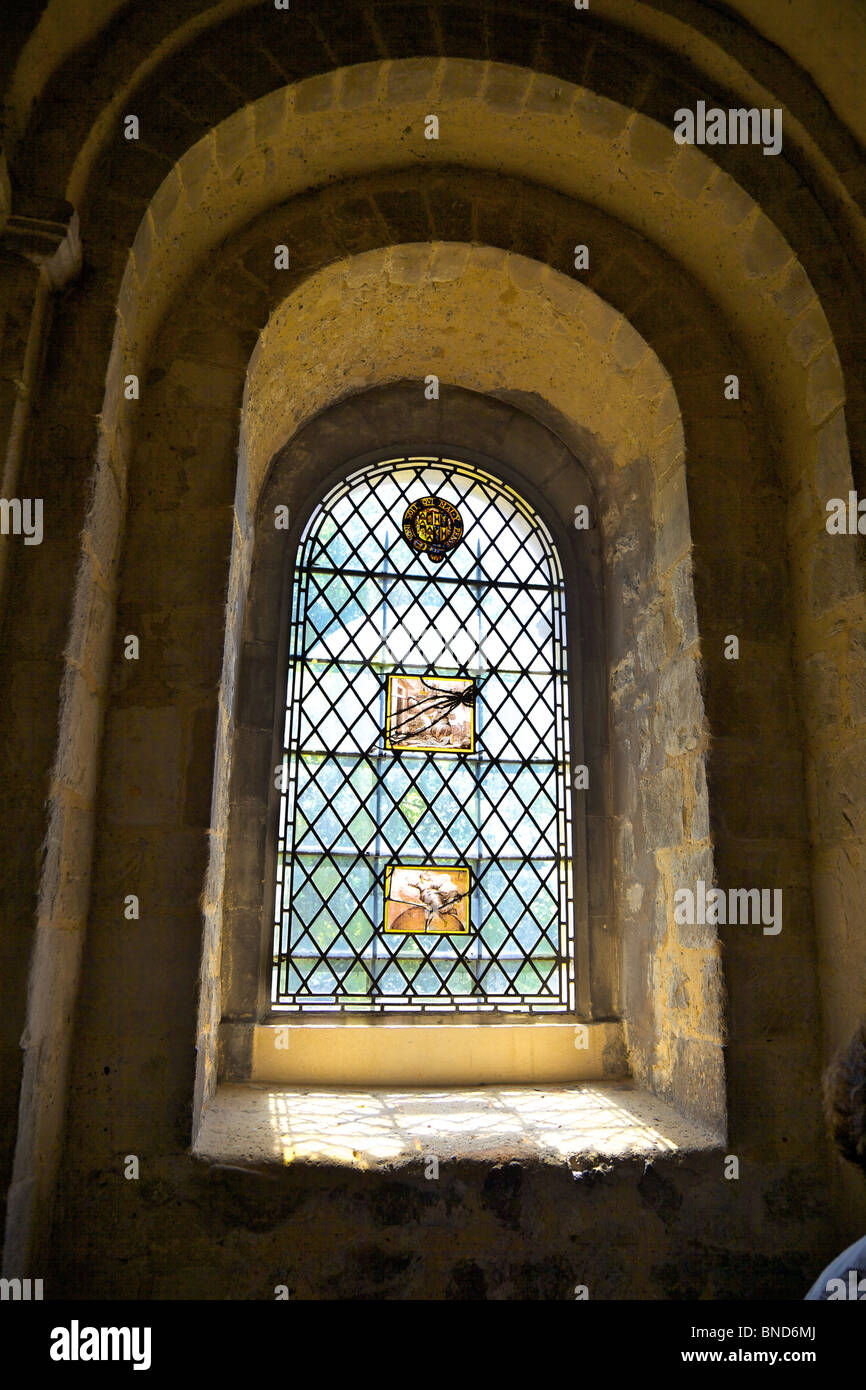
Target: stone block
835, 570
697, 800
582, 307
775, 805
764, 252
166, 201
143, 778
236, 1051
598, 850
624, 846
55, 972
366, 268
825, 386
857, 676
407, 265
315, 93
449, 262
549, 95
668, 453
833, 460
822, 693
629, 348
762, 981
64, 890
160, 957
685, 610
794, 293
810, 334
257, 686
842, 793
198, 173
252, 773
78, 746
525, 273
462, 79
727, 201
625, 780
691, 173
234, 139
661, 797
170, 554
270, 117
650, 634
688, 865
698, 1081
766, 1118
412, 79
672, 522
359, 85
652, 145
506, 88
183, 648
667, 411
165, 870
622, 679
143, 248
598, 116
245, 861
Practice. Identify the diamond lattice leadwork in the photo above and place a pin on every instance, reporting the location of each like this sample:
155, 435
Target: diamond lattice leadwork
486, 623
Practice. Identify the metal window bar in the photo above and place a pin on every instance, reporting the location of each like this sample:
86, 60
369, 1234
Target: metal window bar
316, 952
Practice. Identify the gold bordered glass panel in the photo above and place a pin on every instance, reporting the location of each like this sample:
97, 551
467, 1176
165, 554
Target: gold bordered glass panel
426, 757
430, 714
432, 898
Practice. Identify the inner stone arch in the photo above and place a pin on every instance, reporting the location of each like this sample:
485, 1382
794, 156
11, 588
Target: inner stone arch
622, 469
425, 855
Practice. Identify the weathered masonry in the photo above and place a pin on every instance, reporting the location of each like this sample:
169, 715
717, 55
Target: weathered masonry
238, 264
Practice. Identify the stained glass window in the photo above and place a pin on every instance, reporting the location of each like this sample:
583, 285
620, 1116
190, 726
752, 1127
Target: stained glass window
424, 855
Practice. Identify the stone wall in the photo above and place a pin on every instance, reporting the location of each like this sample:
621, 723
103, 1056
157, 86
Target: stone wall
710, 518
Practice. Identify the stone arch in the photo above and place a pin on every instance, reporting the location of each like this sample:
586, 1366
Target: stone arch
604, 47
636, 445
374, 421
813, 382
181, 377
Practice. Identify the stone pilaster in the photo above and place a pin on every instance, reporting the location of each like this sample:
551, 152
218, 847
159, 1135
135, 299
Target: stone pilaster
38, 258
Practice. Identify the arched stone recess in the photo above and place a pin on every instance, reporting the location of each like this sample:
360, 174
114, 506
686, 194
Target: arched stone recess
629, 166
163, 64
381, 420
576, 143
372, 319
581, 145
758, 730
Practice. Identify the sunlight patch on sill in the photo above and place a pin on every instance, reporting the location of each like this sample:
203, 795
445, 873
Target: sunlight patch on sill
379, 1128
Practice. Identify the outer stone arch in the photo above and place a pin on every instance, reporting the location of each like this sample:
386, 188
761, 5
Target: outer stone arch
525, 125
820, 387
575, 142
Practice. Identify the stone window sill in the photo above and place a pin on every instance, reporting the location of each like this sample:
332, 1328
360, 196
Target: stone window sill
253, 1124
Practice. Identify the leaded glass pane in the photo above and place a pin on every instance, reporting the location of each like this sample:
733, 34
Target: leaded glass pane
424, 851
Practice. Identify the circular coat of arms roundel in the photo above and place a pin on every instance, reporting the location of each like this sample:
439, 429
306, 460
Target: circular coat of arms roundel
432, 526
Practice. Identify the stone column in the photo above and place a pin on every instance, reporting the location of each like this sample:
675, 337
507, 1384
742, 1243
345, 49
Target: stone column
39, 255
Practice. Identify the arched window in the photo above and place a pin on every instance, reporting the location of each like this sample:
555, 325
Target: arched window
424, 858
